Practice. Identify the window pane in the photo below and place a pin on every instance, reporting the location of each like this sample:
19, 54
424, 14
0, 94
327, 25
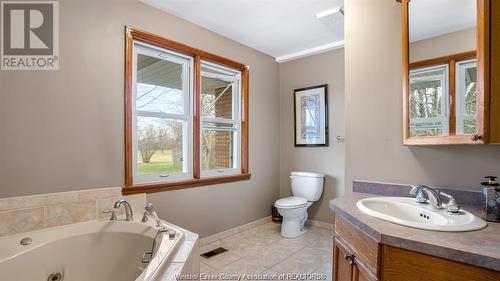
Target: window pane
216, 96
467, 95
159, 146
159, 85
217, 149
427, 110
470, 90
426, 129
470, 127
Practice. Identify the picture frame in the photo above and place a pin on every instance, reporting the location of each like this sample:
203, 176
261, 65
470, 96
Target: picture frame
311, 116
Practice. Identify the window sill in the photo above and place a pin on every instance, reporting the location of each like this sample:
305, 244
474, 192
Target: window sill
159, 187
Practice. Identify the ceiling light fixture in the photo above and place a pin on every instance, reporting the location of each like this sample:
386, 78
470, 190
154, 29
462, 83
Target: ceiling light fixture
329, 12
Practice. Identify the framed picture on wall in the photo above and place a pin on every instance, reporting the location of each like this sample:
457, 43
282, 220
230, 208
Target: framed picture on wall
311, 116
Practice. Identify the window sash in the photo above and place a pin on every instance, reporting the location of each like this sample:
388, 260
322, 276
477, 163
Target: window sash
445, 110
461, 114
234, 77
186, 117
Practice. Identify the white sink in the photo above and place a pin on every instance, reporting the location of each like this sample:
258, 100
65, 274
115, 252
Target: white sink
405, 211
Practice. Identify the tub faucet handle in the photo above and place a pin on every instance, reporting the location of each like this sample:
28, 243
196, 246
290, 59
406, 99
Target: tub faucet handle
150, 212
113, 214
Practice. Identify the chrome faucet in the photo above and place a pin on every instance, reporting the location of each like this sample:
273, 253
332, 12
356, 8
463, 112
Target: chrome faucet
150, 212
129, 215
425, 194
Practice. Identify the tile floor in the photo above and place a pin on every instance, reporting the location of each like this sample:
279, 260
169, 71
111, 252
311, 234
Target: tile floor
262, 250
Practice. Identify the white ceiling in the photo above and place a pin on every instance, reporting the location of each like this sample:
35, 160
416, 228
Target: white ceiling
429, 18
284, 29
289, 29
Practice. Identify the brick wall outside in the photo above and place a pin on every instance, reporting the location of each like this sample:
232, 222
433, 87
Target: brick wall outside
223, 151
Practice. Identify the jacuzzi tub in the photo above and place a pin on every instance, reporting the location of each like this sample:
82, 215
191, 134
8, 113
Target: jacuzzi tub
91, 251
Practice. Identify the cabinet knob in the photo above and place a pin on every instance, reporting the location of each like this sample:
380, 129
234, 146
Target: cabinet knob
476, 137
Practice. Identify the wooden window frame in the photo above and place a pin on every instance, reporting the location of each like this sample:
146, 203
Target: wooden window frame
483, 81
131, 35
451, 61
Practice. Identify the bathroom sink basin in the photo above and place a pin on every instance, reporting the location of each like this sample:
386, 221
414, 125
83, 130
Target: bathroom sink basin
405, 211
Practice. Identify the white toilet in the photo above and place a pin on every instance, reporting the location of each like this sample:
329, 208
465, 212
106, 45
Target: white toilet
307, 188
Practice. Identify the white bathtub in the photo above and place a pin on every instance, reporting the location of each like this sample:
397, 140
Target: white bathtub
91, 251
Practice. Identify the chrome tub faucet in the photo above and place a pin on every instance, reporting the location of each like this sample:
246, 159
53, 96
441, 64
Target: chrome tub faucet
129, 215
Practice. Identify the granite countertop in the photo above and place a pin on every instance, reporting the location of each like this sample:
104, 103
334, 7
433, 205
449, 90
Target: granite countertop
480, 247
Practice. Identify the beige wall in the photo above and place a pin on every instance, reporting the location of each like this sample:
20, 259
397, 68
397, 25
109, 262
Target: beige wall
443, 45
63, 130
326, 68
374, 148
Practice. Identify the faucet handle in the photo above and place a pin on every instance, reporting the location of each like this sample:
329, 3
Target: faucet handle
414, 189
420, 196
452, 206
149, 207
113, 214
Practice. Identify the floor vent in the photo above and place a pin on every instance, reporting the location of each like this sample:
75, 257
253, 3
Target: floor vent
212, 253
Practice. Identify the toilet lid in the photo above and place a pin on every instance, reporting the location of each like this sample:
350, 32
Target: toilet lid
290, 202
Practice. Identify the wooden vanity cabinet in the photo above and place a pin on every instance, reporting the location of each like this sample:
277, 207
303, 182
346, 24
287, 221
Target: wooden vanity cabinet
355, 253
403, 265
347, 266
343, 265
358, 257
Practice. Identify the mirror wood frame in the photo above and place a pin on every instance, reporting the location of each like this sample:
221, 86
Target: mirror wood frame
483, 81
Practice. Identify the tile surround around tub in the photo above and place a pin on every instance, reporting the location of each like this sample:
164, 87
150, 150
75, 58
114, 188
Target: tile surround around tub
28, 213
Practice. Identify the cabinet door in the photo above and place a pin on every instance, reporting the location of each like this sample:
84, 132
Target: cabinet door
361, 274
446, 94
404, 265
342, 262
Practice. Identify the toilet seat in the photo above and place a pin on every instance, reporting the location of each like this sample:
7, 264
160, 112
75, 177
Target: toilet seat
291, 202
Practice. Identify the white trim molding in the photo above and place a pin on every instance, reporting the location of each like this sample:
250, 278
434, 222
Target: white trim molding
320, 224
233, 231
312, 51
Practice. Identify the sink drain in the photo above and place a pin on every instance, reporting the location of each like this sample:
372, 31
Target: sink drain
56, 276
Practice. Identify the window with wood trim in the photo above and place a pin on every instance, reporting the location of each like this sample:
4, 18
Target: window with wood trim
186, 116
442, 96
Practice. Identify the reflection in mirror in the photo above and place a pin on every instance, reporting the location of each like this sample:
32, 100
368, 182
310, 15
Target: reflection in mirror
428, 106
466, 109
442, 56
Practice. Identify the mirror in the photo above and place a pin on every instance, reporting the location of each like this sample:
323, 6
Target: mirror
441, 87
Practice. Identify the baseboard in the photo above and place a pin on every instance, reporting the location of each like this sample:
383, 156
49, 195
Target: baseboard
233, 231
320, 224
241, 228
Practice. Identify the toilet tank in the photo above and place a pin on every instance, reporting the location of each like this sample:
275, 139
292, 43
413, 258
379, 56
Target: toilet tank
307, 185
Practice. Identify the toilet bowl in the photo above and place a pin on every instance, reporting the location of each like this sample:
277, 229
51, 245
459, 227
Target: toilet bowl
294, 213
307, 188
